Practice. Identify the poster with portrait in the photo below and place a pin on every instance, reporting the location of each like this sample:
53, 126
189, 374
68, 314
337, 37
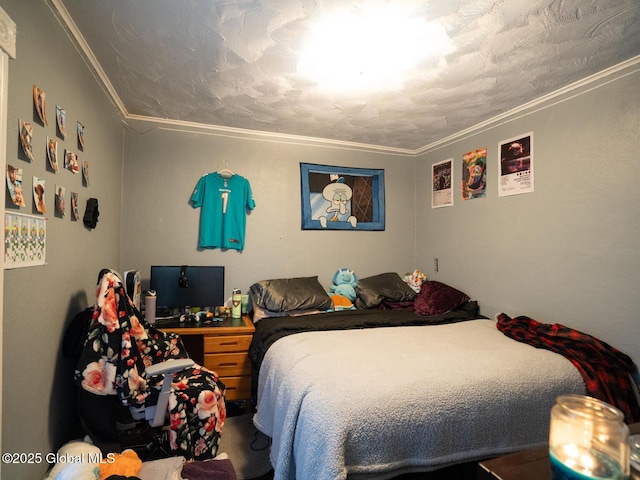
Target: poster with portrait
516, 165
474, 174
24, 240
71, 161
442, 184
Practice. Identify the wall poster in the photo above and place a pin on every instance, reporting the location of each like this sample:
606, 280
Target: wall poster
342, 198
516, 165
24, 240
442, 184
474, 174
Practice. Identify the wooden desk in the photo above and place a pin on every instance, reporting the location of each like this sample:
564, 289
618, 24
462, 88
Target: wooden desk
529, 465
222, 347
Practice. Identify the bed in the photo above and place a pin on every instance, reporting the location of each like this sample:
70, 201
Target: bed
400, 384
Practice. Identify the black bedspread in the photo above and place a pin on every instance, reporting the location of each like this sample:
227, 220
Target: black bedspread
269, 330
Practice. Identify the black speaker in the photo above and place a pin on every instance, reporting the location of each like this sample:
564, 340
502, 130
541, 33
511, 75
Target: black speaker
183, 280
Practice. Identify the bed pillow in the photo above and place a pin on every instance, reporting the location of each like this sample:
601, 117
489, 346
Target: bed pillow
436, 298
287, 294
389, 287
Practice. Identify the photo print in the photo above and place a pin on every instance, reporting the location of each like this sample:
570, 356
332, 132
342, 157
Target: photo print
85, 172
14, 185
80, 136
60, 206
40, 104
26, 139
52, 153
61, 120
75, 214
38, 194
71, 161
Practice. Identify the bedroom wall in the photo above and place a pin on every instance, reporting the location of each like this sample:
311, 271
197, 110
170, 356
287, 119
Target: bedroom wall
568, 252
38, 413
163, 166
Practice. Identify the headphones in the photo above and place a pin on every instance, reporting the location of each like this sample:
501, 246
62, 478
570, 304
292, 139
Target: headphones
183, 281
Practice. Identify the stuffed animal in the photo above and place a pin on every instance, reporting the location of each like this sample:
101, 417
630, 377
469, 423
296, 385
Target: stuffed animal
76, 460
415, 280
344, 283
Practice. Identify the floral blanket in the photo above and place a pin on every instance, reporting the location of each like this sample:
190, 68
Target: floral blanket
119, 346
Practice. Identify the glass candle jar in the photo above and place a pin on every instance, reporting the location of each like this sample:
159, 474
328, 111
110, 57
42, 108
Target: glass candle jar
588, 439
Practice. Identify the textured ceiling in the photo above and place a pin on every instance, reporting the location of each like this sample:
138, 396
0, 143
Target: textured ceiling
233, 63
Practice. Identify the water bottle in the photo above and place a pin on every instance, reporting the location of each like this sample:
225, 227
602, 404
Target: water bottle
236, 303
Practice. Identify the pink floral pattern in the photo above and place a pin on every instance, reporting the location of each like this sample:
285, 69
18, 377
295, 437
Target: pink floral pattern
121, 344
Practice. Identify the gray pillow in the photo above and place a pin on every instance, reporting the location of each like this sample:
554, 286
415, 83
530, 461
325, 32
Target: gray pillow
286, 294
389, 286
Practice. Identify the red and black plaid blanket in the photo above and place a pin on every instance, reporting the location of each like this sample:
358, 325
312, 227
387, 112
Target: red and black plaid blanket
605, 370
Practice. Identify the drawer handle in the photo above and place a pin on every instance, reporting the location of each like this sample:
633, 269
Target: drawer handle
229, 364
225, 344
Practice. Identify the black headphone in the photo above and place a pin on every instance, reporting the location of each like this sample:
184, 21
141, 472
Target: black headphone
183, 281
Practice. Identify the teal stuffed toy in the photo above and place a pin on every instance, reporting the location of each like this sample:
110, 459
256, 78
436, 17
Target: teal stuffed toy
344, 283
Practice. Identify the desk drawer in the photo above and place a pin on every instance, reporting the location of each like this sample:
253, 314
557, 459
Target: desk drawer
238, 388
228, 364
227, 343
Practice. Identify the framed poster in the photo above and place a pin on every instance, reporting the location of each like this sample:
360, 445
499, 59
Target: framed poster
442, 184
516, 165
342, 198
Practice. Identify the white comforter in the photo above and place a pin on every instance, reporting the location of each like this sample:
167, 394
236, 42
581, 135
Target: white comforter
379, 402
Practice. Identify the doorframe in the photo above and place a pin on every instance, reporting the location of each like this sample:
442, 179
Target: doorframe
7, 51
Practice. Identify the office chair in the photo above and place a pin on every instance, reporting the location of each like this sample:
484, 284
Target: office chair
125, 362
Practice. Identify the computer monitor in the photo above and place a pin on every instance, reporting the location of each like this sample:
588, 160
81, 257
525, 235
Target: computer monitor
183, 286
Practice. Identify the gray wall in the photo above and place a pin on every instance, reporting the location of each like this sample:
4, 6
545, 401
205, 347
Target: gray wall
568, 252
160, 226
38, 402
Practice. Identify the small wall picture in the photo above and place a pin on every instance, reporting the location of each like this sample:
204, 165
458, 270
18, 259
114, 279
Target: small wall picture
26, 138
80, 136
61, 120
52, 153
40, 104
75, 214
71, 161
474, 174
38, 194
14, 185
60, 207
85, 172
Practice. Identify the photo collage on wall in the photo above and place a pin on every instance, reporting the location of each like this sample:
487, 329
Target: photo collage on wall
515, 172
48, 153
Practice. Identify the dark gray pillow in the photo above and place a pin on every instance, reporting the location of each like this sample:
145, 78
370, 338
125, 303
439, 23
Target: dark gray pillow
286, 294
371, 291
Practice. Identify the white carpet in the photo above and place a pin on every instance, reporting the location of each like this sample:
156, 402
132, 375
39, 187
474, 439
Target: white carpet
247, 448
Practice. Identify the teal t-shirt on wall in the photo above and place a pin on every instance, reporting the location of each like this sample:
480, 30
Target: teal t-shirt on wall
223, 216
